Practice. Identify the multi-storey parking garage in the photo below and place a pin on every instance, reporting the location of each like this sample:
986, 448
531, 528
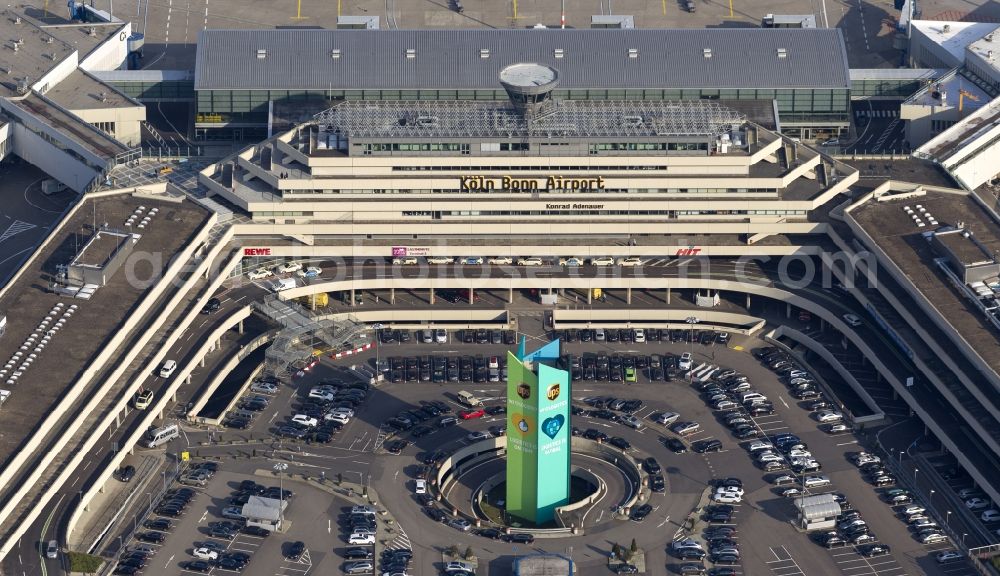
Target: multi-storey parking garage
529, 210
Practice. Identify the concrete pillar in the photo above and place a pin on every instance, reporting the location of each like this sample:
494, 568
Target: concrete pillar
510, 295
472, 295
628, 296
432, 296
202, 362
590, 296
392, 295
352, 296
748, 301
788, 310
550, 290
239, 327
668, 296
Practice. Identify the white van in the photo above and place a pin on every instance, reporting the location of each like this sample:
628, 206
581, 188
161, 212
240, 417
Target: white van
468, 399
162, 435
815, 481
168, 369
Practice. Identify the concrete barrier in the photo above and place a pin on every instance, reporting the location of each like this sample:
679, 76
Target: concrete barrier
657, 317
109, 352
876, 415
177, 380
220, 377
471, 317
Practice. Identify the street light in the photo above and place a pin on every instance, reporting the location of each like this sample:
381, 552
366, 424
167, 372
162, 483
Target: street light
915, 470
963, 539
280, 468
947, 518
691, 320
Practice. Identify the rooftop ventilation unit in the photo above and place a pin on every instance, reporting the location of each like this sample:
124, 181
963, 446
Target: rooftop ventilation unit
633, 52
22, 85
92, 31
261, 54
782, 53
411, 52
484, 52
989, 37
632, 120
335, 53
706, 52
49, 39
427, 121
946, 28
558, 53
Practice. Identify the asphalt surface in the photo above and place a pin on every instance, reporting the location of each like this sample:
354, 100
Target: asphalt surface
364, 440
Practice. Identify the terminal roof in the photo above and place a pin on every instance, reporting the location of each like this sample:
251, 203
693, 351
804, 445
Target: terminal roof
571, 118
472, 59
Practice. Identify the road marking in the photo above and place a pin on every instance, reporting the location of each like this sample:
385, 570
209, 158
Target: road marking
167, 565
848, 443
203, 517
665, 520
783, 401
16, 228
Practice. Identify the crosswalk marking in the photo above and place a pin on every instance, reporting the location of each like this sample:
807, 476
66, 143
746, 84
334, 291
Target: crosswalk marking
16, 228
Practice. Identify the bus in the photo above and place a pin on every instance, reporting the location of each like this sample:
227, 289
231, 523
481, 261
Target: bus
162, 435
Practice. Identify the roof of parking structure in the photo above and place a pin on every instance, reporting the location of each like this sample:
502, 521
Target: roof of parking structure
27, 301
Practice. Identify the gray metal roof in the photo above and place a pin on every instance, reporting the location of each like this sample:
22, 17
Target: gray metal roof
453, 59
260, 508
820, 511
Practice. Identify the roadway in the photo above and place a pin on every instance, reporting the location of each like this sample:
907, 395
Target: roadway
27, 560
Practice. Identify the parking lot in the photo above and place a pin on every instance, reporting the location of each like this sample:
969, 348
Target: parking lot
397, 429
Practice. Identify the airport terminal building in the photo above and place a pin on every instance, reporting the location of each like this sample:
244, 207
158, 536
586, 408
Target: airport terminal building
530, 164
250, 81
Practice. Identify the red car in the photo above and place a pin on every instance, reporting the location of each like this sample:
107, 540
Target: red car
471, 414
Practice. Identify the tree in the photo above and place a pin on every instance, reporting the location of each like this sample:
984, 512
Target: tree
468, 553
340, 478
634, 547
453, 551
616, 550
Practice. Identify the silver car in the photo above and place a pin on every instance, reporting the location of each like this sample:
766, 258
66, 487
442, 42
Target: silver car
359, 567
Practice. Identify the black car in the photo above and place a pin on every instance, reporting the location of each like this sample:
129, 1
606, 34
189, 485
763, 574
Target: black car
397, 446
594, 434
651, 465
198, 566
675, 446
398, 553
491, 533
242, 558
227, 563
691, 554
359, 553
124, 570
521, 538
494, 410
126, 473
640, 513
626, 569
437, 514
657, 484
211, 306
161, 524
295, 550
620, 443
704, 446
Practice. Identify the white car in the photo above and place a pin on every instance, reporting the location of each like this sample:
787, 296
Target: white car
800, 454
337, 417
305, 420
639, 336
990, 516
441, 336
726, 498
735, 490
976, 503
440, 260
259, 274
667, 418
630, 261
829, 416
310, 272
765, 457
405, 261
838, 428
264, 388
948, 556
420, 486
602, 261
783, 479
288, 267
933, 538
361, 538
759, 445
346, 412
501, 260
685, 361
852, 320
205, 553
478, 435
324, 395
831, 142
532, 261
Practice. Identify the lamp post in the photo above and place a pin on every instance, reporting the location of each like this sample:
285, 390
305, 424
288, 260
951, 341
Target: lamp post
963, 539
691, 320
375, 340
915, 470
280, 468
947, 518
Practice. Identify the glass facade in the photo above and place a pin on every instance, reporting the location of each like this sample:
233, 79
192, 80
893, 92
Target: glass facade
799, 105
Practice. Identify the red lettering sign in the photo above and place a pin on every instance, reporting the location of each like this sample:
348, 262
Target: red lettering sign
256, 251
691, 251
